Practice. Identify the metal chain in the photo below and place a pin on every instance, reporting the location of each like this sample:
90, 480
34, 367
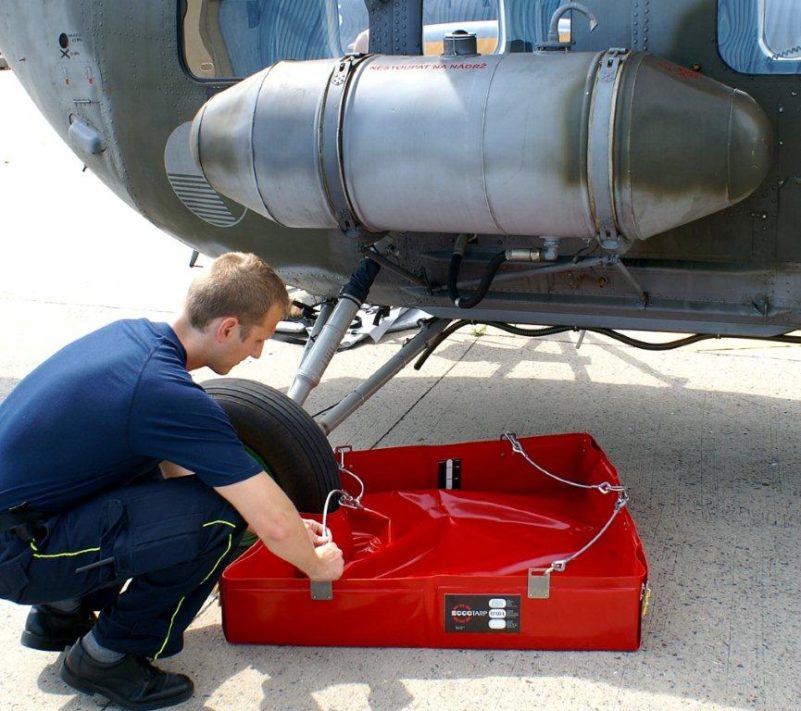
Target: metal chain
605, 487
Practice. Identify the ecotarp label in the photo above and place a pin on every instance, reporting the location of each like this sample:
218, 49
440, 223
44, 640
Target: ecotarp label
482, 613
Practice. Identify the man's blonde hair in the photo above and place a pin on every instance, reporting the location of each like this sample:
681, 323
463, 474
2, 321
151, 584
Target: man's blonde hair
236, 284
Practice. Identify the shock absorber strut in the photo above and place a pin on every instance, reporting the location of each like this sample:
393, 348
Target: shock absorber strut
316, 360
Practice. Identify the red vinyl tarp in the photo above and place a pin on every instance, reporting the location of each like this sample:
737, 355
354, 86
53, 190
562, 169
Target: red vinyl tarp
448, 549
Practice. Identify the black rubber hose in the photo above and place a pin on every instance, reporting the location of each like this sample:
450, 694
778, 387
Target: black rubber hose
648, 345
554, 330
531, 332
453, 276
609, 333
456, 325
468, 302
361, 280
446, 333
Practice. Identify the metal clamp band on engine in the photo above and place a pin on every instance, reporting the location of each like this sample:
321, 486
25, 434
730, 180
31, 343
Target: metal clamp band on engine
330, 146
600, 165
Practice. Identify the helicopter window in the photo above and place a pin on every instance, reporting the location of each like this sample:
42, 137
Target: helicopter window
229, 39
443, 16
760, 36
783, 29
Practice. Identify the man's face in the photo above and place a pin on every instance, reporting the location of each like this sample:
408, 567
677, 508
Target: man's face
233, 349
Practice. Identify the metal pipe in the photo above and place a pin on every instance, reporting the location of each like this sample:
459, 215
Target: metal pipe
395, 268
524, 255
631, 280
587, 263
349, 404
553, 30
322, 351
326, 308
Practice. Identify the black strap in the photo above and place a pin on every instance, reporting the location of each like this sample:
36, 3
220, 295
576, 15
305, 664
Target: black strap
22, 521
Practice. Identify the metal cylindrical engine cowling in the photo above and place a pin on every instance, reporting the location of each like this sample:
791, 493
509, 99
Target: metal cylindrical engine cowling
502, 144
462, 149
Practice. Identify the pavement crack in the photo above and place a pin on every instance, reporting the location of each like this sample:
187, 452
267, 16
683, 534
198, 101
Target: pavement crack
428, 390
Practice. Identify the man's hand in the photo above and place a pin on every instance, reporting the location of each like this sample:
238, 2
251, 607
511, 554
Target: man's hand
329, 555
276, 521
331, 562
317, 534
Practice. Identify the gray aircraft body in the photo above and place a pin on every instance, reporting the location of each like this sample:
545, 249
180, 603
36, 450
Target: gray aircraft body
617, 164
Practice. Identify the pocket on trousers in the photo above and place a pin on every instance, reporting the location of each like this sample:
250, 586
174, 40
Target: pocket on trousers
159, 545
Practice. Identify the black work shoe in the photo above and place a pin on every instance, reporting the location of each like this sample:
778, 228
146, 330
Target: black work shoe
51, 630
132, 682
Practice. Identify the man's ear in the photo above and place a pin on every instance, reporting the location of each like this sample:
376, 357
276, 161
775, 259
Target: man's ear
227, 327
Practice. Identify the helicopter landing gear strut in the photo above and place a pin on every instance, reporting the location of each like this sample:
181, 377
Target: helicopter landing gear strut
328, 335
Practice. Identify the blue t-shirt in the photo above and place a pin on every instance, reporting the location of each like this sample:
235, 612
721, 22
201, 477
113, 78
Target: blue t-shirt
105, 409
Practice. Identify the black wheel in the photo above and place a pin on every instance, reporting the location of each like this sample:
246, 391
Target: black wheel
283, 436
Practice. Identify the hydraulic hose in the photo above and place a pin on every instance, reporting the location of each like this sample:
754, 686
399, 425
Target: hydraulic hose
608, 332
456, 325
361, 280
468, 302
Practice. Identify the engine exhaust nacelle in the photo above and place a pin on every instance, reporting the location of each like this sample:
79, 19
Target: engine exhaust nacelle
618, 145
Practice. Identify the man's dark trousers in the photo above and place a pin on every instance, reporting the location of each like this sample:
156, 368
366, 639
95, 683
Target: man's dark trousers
171, 539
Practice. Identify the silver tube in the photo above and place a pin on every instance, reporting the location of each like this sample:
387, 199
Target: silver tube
319, 356
349, 404
505, 277
523, 255
553, 30
322, 318
631, 280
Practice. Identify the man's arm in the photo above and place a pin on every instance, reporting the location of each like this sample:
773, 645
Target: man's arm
276, 521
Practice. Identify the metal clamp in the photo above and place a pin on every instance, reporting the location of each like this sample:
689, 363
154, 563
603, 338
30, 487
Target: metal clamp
340, 452
321, 590
539, 583
600, 162
330, 145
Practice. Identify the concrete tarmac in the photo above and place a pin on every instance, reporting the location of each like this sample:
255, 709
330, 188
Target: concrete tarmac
706, 441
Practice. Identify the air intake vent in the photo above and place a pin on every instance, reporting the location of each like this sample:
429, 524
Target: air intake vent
192, 188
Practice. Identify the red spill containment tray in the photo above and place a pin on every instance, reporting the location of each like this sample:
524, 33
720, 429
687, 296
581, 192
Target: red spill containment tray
456, 546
